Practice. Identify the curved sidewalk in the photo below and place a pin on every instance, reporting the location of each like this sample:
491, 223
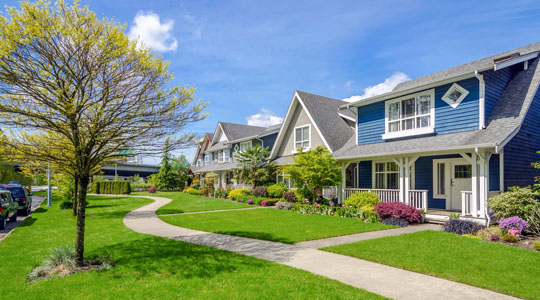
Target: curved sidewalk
377, 278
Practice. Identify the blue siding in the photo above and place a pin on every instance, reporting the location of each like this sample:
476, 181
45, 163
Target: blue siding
496, 82
364, 178
423, 173
494, 171
447, 119
520, 152
269, 140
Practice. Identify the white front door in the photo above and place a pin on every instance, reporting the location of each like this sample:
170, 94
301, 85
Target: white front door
460, 181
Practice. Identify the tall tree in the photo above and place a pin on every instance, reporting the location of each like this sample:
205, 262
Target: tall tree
180, 167
166, 177
313, 170
65, 72
254, 166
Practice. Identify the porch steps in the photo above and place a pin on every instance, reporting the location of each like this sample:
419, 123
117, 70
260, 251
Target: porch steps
441, 219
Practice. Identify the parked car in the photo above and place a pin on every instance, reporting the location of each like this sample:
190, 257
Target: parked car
8, 208
20, 195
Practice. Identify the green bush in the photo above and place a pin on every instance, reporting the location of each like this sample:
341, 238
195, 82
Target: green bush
221, 193
536, 246
516, 202
365, 200
112, 187
345, 212
193, 191
141, 186
275, 191
509, 238
239, 192
69, 204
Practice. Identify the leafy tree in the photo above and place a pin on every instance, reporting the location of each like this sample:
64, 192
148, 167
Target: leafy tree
90, 91
180, 167
254, 167
313, 170
166, 177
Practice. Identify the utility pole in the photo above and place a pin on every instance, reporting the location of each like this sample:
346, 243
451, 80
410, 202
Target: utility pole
49, 185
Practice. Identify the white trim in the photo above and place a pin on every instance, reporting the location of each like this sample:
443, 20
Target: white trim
314, 124
346, 117
268, 133
373, 172
482, 101
516, 60
207, 159
501, 170
250, 145
410, 132
295, 149
460, 89
356, 127
448, 173
215, 135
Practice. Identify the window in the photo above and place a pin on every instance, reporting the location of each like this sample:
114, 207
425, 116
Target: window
207, 159
441, 179
302, 137
410, 115
199, 162
462, 171
244, 146
226, 155
220, 156
386, 175
455, 95
282, 177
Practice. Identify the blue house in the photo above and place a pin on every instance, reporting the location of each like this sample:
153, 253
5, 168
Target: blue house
449, 140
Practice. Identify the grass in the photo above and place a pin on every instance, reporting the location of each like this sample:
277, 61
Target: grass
147, 267
273, 224
183, 202
497, 267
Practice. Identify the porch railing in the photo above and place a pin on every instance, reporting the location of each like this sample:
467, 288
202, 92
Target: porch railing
466, 203
418, 199
386, 195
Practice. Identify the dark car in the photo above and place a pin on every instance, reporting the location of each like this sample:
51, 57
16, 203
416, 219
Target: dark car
8, 208
20, 195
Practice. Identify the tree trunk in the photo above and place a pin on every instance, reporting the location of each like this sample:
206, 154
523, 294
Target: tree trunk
81, 215
75, 194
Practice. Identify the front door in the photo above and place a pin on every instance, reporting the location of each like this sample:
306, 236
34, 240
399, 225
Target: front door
460, 181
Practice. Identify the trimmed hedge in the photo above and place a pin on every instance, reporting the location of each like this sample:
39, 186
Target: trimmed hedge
112, 187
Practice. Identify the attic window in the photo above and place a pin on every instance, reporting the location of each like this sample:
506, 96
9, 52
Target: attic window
455, 95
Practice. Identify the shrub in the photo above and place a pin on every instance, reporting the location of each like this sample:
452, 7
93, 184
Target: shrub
398, 210
268, 202
495, 238
69, 204
461, 226
365, 200
284, 205
536, 246
395, 221
290, 197
112, 187
193, 191
345, 212
259, 191
534, 221
239, 192
472, 236
141, 186
275, 191
250, 201
489, 233
516, 202
221, 193
152, 189
509, 238
513, 223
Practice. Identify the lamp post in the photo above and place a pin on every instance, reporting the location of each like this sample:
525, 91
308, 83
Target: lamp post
49, 185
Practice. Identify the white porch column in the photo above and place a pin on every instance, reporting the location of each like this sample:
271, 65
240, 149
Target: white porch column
406, 179
484, 183
400, 162
343, 181
474, 186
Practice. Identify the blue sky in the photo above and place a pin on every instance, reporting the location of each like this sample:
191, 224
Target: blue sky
248, 57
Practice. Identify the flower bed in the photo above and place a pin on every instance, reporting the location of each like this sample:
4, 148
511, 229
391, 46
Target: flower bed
344, 212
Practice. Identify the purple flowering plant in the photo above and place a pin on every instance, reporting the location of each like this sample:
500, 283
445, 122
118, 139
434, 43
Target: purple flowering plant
250, 201
514, 223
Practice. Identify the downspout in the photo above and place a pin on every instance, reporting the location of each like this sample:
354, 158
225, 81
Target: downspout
482, 100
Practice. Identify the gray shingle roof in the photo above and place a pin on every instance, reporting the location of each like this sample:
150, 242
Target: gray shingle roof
216, 167
324, 112
217, 146
503, 121
240, 131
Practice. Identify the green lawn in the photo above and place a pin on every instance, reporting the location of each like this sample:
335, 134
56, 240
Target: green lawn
496, 267
273, 224
147, 267
183, 202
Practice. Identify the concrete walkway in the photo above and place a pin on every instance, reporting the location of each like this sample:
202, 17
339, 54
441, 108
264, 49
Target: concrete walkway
351, 238
377, 278
211, 211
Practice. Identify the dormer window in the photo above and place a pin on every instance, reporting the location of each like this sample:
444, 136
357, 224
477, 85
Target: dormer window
302, 137
207, 159
410, 115
455, 95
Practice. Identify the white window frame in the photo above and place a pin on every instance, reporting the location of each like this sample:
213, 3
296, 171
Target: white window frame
447, 178
374, 174
460, 89
415, 131
308, 126
220, 156
242, 144
285, 178
226, 157
207, 159
199, 162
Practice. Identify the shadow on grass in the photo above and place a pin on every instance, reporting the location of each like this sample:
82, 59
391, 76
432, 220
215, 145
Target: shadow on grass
257, 235
101, 206
154, 255
167, 211
28, 222
40, 210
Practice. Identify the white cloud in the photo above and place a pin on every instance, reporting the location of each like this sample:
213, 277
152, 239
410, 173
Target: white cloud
265, 118
384, 87
149, 30
348, 84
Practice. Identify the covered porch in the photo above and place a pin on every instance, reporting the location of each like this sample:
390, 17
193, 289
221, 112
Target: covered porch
449, 182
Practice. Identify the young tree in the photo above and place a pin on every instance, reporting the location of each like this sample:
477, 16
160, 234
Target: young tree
180, 167
254, 166
166, 177
65, 72
313, 170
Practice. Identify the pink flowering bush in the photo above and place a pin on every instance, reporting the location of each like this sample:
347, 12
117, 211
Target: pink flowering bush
398, 210
152, 189
250, 201
264, 203
515, 224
